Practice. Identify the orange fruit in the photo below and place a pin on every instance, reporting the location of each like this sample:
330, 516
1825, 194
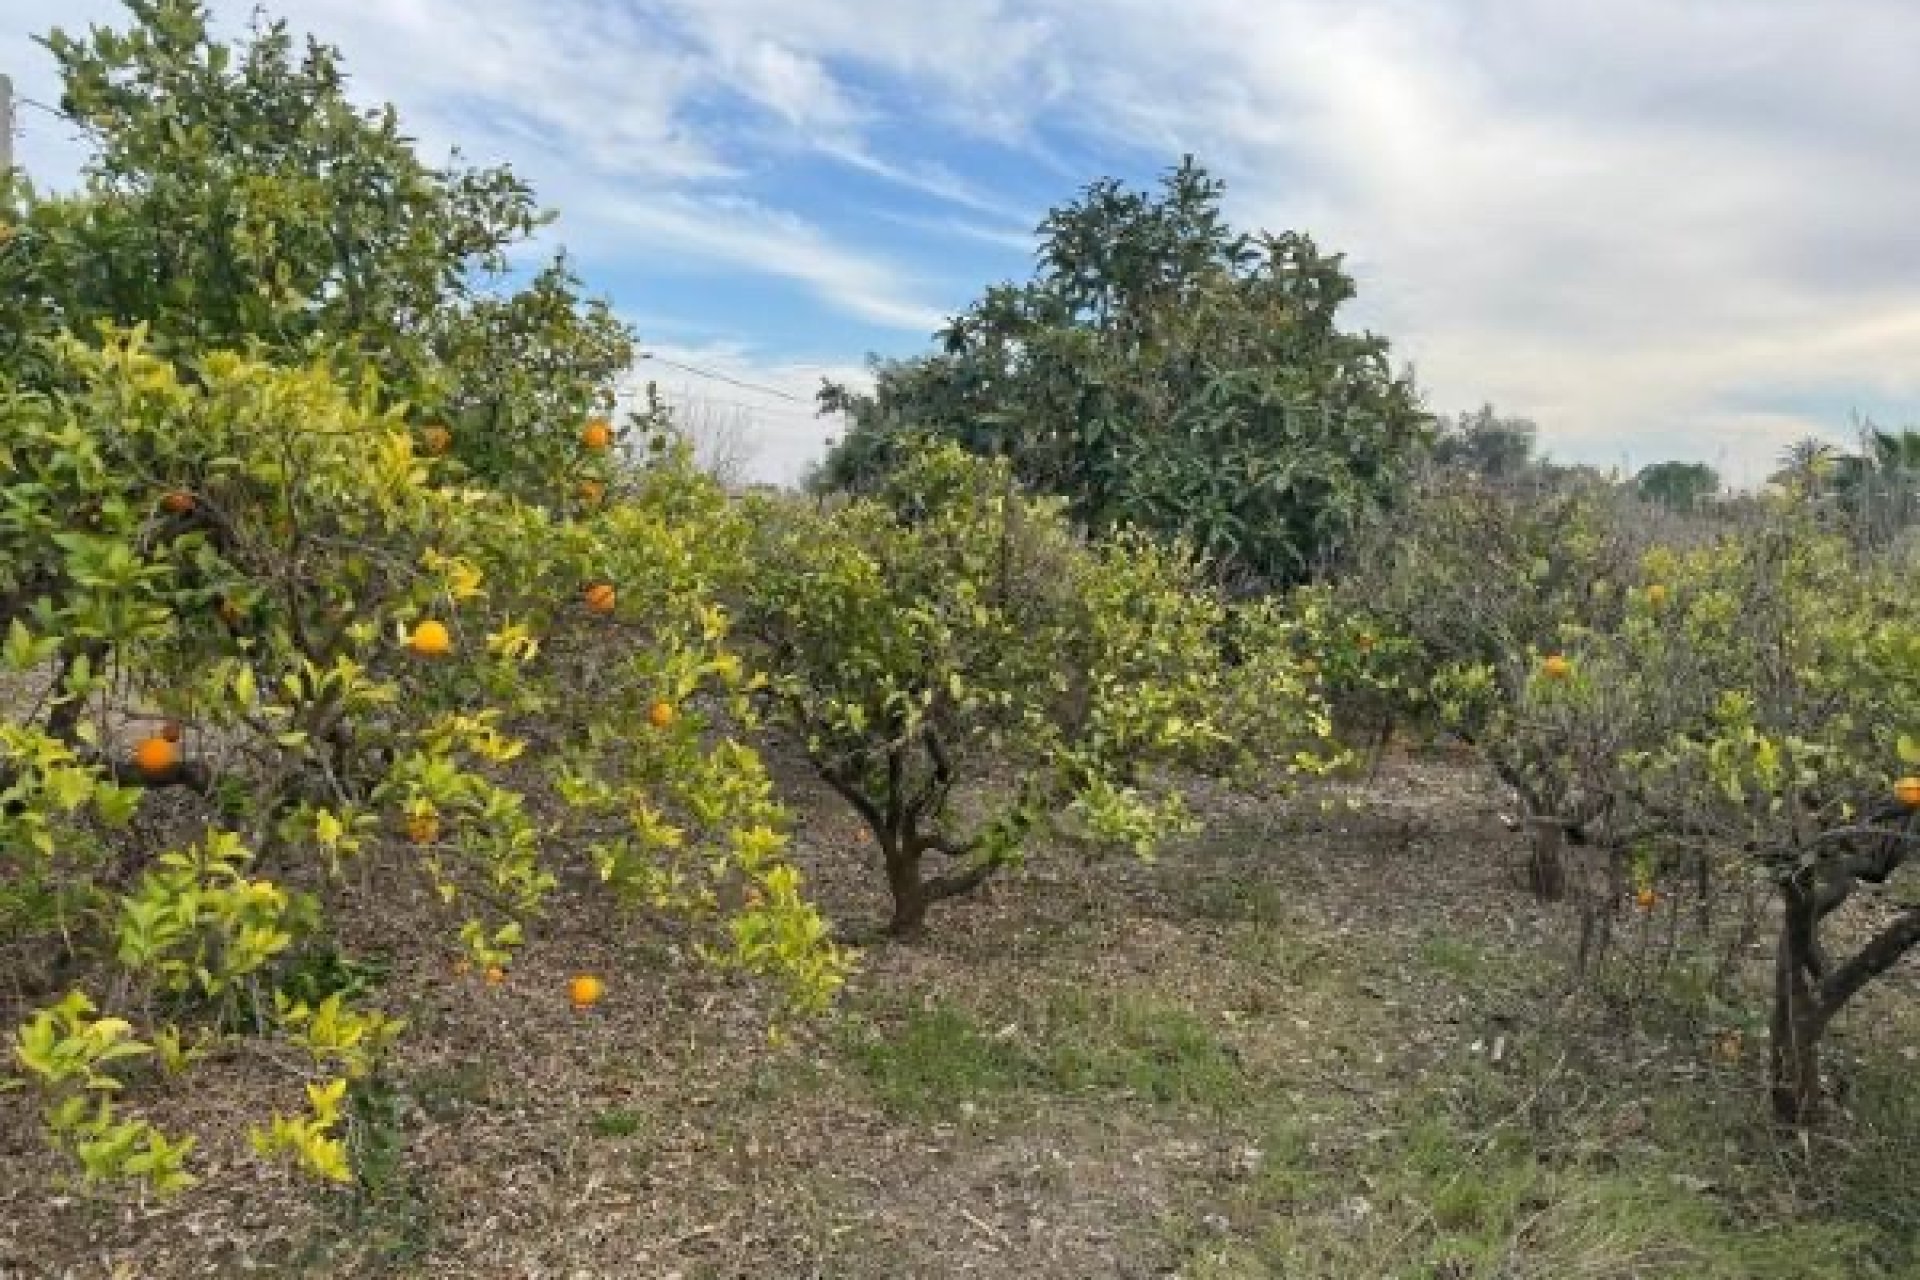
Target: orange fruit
430, 639
423, 828
496, 975
155, 757
178, 503
600, 597
436, 440
660, 714
1555, 667
591, 491
585, 990
1656, 595
597, 435
1646, 897
1907, 792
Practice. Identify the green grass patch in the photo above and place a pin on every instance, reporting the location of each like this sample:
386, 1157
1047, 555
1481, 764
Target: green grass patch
1453, 957
617, 1122
934, 1060
1139, 1047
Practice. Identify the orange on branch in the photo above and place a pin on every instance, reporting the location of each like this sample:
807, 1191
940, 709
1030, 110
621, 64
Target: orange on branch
1907, 792
661, 714
1556, 667
179, 502
155, 757
430, 639
423, 828
600, 598
597, 435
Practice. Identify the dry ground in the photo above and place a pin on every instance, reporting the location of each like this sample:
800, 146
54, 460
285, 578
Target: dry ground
1329, 1037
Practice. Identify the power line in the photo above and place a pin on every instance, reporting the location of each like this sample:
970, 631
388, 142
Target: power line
721, 377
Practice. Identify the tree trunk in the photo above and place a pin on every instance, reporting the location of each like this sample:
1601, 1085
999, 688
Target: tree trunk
910, 899
1547, 864
1798, 1021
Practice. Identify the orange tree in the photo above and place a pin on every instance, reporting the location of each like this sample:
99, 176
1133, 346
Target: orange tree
1482, 591
1791, 667
246, 586
966, 672
1751, 701
317, 536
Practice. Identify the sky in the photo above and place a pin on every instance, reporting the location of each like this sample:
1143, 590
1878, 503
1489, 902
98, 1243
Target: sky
1659, 228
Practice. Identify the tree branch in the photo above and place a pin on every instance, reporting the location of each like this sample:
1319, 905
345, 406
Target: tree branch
1872, 960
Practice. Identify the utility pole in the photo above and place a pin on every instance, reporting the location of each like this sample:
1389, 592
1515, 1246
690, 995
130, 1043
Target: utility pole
6, 123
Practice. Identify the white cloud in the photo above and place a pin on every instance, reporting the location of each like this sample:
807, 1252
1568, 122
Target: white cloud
1670, 223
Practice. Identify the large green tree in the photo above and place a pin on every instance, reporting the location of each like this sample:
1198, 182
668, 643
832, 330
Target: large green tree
1161, 369
1678, 485
1487, 444
235, 194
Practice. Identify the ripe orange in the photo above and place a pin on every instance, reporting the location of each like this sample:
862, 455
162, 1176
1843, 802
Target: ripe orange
423, 828
178, 502
1556, 667
155, 757
1646, 897
660, 714
496, 975
591, 491
1907, 792
600, 598
597, 435
585, 990
430, 639
436, 440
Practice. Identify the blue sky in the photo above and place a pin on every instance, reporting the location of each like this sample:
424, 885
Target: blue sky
1661, 228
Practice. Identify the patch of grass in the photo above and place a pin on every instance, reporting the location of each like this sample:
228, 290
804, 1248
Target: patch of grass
1454, 957
617, 1122
1525, 1177
935, 1060
1140, 1047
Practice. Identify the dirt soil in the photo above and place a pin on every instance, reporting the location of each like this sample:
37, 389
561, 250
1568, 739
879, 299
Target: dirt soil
1329, 1036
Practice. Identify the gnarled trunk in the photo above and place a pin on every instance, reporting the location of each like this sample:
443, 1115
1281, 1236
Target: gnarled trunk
1798, 1021
1547, 859
910, 901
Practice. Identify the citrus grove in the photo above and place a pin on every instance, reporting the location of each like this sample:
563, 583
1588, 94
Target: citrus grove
334, 567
